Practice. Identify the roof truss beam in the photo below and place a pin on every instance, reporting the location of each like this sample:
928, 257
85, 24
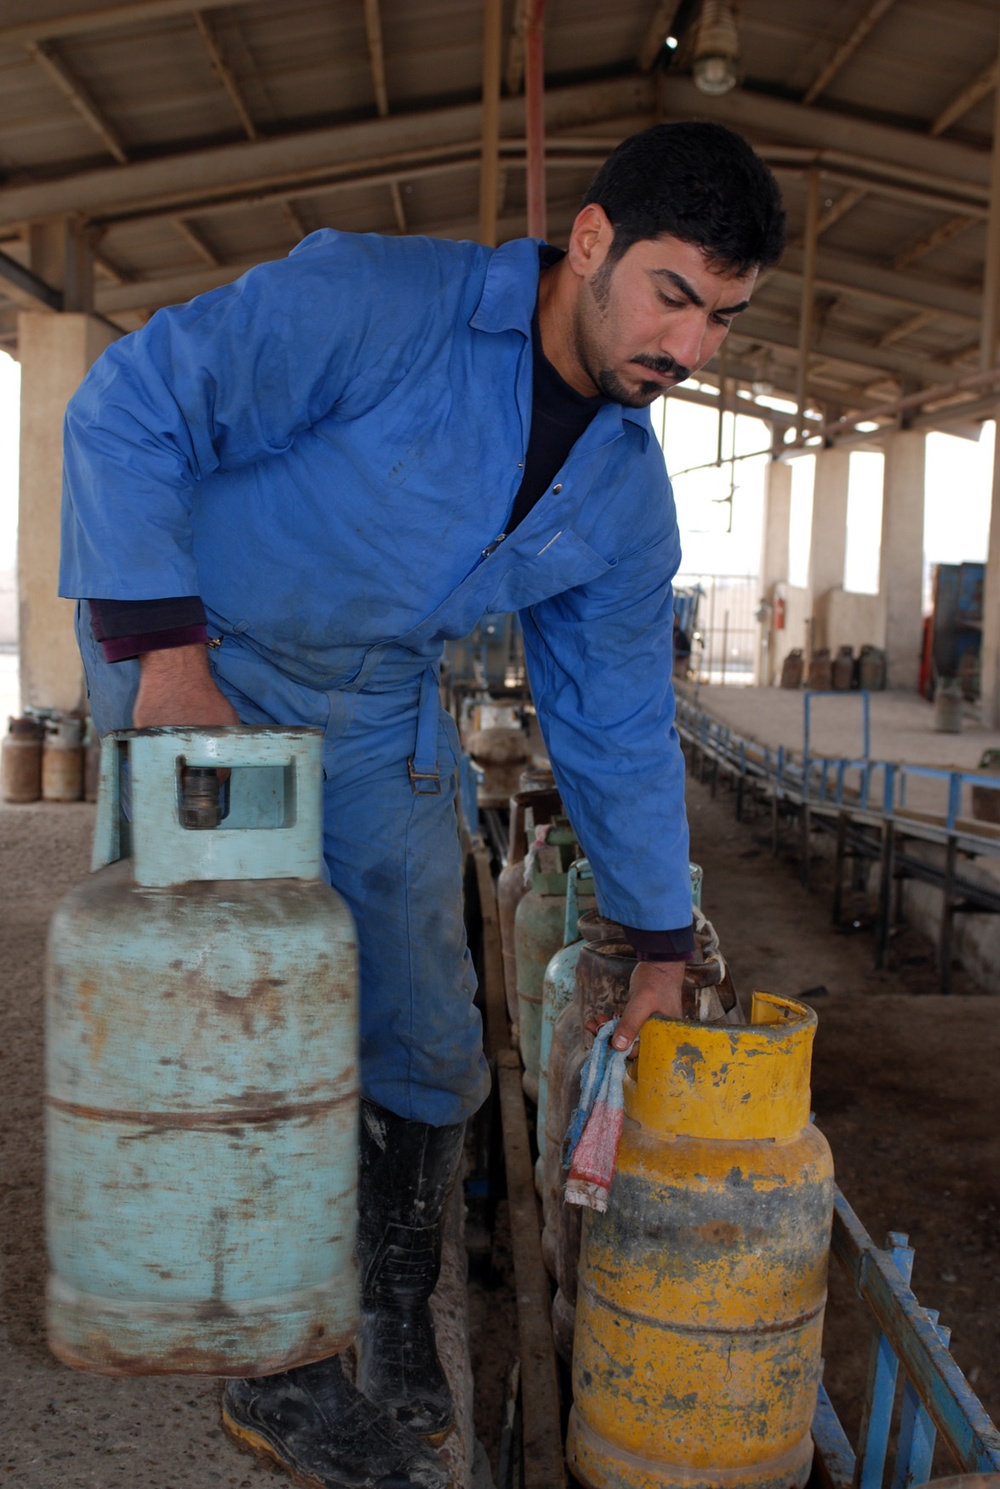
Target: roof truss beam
47, 58
846, 50
225, 73
376, 53
942, 234
967, 98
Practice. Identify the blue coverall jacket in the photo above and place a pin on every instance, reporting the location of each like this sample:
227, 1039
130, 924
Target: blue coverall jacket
325, 451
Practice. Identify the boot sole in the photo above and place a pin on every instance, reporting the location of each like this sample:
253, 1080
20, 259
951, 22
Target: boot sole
257, 1446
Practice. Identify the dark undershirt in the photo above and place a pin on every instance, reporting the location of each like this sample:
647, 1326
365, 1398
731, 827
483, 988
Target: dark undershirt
559, 416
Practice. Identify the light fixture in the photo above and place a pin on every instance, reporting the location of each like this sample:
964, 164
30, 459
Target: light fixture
671, 43
717, 49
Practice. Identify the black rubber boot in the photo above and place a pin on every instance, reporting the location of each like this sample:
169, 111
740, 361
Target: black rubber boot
407, 1170
314, 1424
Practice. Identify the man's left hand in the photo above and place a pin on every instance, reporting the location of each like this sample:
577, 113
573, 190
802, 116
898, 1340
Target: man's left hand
655, 987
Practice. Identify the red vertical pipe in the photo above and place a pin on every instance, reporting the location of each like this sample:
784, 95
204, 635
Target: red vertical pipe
534, 109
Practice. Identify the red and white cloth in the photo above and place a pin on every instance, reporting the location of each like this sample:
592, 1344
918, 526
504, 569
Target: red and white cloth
596, 1124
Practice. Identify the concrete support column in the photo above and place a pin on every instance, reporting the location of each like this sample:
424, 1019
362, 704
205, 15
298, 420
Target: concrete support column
989, 658
60, 253
55, 352
774, 564
828, 539
901, 566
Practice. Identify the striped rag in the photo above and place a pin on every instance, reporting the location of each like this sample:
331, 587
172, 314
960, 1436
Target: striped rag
596, 1125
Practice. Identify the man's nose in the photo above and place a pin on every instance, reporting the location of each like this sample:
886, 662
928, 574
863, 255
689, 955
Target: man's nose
684, 340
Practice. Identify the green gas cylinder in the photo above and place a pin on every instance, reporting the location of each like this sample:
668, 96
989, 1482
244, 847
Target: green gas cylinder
202, 1068
538, 935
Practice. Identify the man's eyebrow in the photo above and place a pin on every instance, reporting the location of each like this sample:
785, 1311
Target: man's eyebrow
690, 293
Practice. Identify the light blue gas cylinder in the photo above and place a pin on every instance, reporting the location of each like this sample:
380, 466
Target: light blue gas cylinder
202, 1067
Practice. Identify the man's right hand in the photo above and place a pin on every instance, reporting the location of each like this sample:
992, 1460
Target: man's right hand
177, 688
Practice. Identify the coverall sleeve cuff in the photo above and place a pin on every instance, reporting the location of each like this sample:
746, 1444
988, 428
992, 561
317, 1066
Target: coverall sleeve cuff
661, 946
122, 648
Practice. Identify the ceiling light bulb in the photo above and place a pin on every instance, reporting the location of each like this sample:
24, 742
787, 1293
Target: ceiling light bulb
717, 49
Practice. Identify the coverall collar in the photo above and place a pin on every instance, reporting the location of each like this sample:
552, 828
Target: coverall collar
507, 303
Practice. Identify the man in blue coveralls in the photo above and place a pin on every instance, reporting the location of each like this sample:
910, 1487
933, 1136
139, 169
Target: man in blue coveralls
282, 498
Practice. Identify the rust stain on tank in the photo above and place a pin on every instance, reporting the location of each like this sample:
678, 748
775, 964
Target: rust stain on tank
96, 1025
687, 1057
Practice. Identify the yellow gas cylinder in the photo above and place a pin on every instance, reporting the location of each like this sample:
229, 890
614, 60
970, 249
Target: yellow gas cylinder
701, 1290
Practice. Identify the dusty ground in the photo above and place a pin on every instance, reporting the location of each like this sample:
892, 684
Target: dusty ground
905, 1089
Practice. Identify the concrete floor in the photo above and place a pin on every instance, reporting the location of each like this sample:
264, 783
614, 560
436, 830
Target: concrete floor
902, 728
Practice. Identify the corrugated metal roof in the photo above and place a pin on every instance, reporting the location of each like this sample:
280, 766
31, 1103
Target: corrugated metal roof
191, 144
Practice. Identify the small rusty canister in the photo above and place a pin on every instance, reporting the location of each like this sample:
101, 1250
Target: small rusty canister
22, 760
792, 669
62, 759
843, 668
820, 675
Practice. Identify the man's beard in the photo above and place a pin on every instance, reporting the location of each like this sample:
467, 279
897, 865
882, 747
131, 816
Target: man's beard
617, 390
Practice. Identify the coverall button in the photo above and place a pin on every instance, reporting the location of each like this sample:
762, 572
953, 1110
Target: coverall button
557, 487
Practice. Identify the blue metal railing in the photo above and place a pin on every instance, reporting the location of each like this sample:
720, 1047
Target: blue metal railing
841, 781
937, 1399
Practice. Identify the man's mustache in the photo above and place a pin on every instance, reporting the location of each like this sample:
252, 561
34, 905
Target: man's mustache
665, 366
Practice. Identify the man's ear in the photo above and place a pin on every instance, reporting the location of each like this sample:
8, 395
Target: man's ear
589, 240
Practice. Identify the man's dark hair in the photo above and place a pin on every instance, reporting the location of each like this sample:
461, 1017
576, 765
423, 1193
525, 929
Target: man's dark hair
699, 182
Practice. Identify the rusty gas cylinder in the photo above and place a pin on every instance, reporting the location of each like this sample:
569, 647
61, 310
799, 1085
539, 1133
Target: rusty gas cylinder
202, 1059
528, 809
701, 1290
792, 669
820, 675
22, 760
62, 759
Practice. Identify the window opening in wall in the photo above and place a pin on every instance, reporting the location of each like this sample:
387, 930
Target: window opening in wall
958, 483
